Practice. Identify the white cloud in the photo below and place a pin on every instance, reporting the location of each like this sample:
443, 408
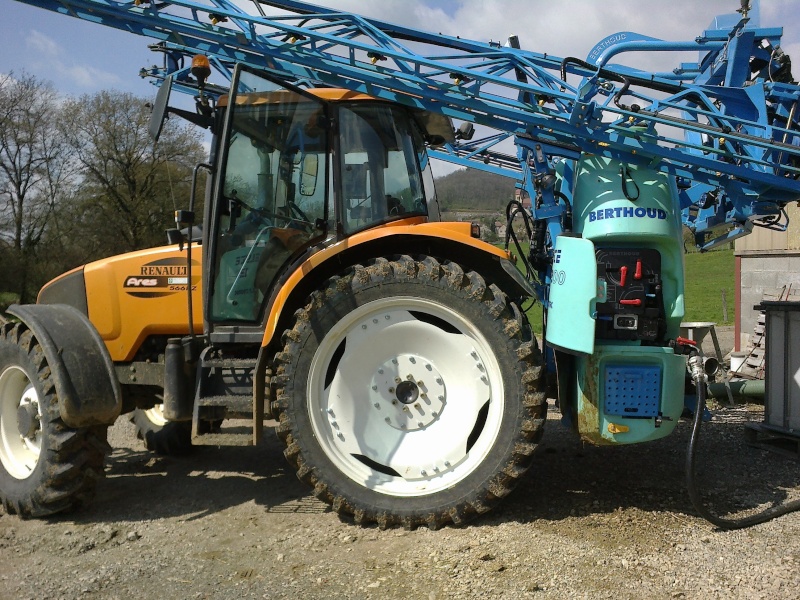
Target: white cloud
41, 44
47, 55
90, 78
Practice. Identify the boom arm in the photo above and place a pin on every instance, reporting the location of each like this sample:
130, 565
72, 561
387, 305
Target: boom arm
727, 123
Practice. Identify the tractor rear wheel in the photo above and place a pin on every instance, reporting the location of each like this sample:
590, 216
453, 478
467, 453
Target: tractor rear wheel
45, 466
410, 393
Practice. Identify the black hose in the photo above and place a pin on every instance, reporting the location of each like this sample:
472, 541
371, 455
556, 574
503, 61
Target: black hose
512, 210
691, 480
567, 225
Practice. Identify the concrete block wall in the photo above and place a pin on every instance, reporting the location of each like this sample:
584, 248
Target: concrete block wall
763, 272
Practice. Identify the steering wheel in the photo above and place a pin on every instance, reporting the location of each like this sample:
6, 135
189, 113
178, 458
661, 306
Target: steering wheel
298, 212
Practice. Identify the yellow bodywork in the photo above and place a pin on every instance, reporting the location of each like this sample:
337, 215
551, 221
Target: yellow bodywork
133, 296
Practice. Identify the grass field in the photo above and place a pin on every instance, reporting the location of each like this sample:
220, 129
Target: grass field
708, 275
7, 299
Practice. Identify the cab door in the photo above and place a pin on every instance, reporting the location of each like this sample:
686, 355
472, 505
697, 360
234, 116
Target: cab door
270, 199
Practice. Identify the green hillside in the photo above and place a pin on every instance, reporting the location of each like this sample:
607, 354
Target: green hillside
471, 189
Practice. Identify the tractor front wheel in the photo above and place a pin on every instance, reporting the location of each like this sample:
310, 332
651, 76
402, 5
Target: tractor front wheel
170, 438
410, 393
45, 466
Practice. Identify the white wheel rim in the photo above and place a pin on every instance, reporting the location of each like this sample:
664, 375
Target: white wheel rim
156, 415
407, 449
19, 452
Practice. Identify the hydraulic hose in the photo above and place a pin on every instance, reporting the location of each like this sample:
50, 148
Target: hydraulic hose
699, 377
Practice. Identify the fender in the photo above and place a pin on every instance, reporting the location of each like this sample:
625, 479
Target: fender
452, 232
87, 389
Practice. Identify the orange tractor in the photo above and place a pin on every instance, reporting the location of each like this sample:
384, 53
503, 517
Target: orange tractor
390, 345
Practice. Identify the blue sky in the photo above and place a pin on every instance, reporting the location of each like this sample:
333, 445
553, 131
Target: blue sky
79, 57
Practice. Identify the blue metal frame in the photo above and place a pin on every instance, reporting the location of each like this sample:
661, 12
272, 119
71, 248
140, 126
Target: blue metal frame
713, 122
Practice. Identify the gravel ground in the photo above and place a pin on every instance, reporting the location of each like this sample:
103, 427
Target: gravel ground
587, 522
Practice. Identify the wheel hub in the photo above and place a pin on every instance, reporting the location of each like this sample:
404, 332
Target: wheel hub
409, 392
27, 420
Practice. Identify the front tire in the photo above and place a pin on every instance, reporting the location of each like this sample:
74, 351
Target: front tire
45, 466
168, 438
410, 393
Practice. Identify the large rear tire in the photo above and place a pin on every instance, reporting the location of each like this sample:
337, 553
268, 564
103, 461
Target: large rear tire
410, 393
45, 466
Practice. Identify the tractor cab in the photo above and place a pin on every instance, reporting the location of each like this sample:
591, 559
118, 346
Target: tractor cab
303, 168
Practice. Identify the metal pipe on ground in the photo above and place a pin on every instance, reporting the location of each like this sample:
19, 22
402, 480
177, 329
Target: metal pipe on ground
746, 388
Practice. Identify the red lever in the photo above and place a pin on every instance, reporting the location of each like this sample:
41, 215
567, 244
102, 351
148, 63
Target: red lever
635, 302
684, 341
638, 273
623, 275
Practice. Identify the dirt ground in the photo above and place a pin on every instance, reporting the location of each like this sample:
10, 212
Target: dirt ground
587, 522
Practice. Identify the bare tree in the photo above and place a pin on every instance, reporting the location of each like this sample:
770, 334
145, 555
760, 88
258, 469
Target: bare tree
130, 187
34, 171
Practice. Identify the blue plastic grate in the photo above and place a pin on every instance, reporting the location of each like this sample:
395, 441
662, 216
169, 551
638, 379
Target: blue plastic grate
632, 391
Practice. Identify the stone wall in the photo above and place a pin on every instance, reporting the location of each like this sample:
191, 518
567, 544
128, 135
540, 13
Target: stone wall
767, 272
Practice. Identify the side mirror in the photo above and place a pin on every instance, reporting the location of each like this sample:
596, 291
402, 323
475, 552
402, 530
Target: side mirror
309, 167
160, 108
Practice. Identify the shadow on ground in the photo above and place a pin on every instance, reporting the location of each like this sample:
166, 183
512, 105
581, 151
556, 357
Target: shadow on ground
568, 479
